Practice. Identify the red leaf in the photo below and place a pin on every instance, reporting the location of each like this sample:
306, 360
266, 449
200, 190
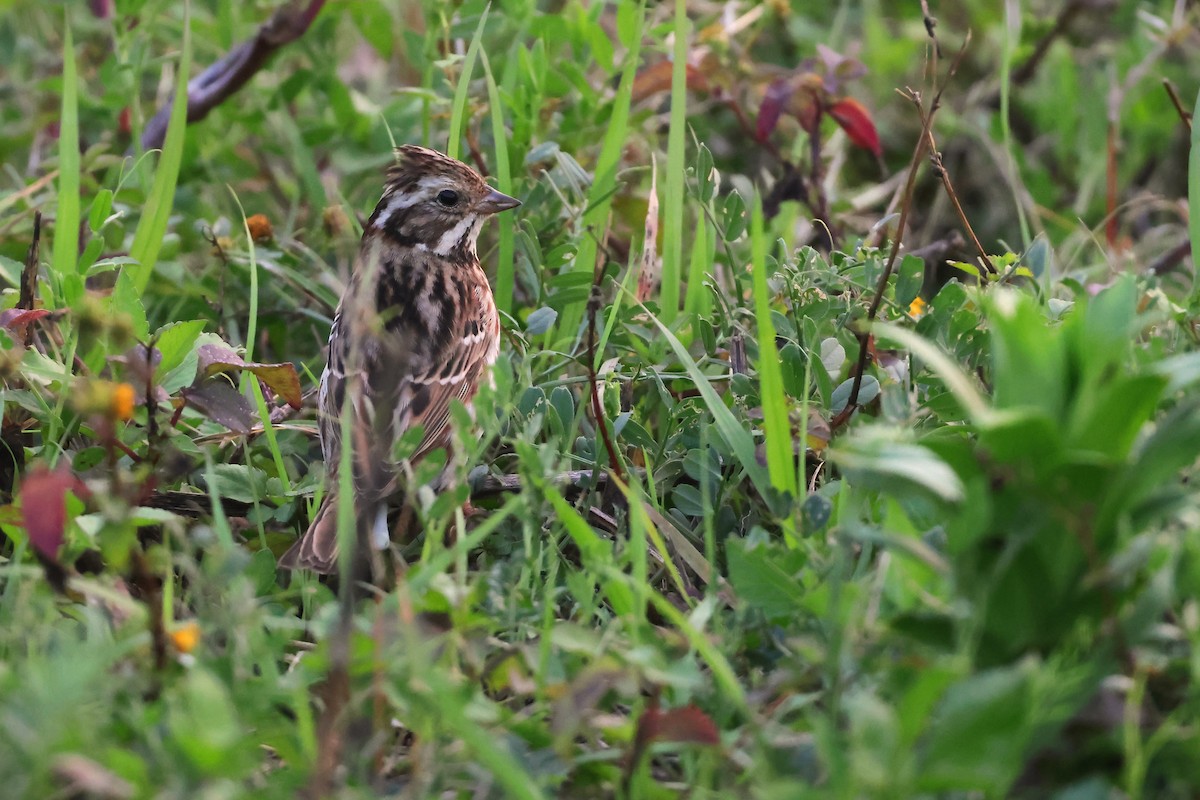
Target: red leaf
44, 507
857, 123
686, 724
15, 319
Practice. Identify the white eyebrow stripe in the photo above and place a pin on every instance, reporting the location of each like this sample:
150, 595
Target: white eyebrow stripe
433, 182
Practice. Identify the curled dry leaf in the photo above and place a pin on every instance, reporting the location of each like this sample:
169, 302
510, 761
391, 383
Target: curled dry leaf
648, 278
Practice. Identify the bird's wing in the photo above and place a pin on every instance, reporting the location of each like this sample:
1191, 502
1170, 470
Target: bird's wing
424, 399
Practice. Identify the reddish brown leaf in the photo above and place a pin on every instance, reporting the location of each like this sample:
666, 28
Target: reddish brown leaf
799, 95
44, 507
657, 78
772, 108
684, 725
688, 724
16, 319
857, 123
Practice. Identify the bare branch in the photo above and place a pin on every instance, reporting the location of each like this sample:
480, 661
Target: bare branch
212, 86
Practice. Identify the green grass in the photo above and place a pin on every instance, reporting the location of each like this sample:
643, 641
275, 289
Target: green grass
980, 585
152, 226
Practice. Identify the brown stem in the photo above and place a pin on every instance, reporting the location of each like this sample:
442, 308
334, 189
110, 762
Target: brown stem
593, 309
212, 86
923, 140
935, 158
29, 275
1178, 103
1171, 259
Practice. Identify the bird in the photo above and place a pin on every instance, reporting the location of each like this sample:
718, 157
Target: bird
415, 329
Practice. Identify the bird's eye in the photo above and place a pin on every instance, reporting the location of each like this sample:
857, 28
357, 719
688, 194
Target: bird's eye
447, 198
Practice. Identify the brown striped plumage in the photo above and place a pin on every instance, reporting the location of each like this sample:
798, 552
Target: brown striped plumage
415, 329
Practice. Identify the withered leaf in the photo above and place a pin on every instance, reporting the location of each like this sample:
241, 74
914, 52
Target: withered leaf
282, 378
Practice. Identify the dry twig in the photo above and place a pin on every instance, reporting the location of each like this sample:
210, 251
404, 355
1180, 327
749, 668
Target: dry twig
211, 87
864, 335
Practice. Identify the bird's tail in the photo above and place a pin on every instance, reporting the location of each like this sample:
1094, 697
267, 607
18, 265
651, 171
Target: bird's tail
317, 549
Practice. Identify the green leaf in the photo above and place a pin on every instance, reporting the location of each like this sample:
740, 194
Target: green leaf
1029, 360
737, 438
540, 321
66, 222
101, 208
126, 299
982, 730
1108, 419
458, 111
238, 482
604, 179
673, 233
908, 280
764, 575
593, 551
505, 277
175, 341
777, 427
156, 213
867, 392
873, 458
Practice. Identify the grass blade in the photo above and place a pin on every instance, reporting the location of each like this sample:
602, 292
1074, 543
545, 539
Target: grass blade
505, 276
66, 225
672, 238
147, 239
604, 181
737, 437
1194, 193
458, 113
952, 375
777, 428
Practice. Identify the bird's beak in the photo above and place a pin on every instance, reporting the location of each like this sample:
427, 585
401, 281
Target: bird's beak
495, 202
